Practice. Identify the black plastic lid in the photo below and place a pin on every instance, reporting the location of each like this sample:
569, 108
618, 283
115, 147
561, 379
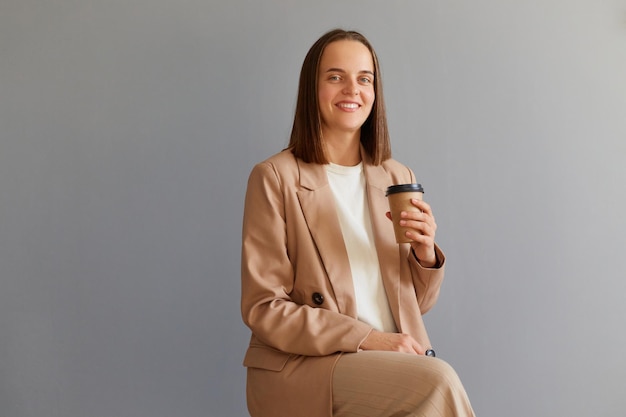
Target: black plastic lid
403, 188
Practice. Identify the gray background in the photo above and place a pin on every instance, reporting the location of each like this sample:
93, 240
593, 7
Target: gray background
128, 129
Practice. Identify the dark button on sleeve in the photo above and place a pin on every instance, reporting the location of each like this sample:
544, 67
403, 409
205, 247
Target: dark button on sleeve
318, 298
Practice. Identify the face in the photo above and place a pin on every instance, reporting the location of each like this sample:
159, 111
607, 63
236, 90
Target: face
345, 87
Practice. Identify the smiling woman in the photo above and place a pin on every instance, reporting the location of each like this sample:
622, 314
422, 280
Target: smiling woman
333, 302
306, 134
346, 95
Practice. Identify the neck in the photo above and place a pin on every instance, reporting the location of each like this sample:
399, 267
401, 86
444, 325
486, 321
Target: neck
344, 150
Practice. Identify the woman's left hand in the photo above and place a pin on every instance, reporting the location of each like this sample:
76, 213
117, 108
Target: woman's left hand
422, 227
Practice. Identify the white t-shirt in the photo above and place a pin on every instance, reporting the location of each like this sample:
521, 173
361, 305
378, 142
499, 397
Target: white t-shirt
348, 186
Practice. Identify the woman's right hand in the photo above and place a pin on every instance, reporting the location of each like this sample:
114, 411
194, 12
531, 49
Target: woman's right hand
396, 342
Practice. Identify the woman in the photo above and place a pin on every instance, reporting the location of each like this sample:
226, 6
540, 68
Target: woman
334, 303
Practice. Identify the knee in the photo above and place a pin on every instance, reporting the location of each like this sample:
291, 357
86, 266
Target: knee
447, 391
443, 376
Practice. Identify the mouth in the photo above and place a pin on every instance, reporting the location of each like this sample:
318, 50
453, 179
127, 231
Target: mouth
348, 106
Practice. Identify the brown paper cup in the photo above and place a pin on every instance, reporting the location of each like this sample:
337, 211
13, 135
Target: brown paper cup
399, 197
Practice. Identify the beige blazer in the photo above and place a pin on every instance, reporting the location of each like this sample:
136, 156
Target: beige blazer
297, 293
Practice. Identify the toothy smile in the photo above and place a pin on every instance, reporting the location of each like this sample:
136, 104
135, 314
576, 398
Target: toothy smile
348, 105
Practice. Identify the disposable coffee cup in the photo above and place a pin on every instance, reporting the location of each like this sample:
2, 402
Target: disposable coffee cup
399, 197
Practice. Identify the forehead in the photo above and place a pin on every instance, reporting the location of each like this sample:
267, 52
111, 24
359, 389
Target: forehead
347, 55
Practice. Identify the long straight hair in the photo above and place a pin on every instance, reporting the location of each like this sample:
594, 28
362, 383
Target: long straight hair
306, 134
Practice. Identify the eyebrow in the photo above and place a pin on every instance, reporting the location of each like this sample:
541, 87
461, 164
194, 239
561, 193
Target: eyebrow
343, 71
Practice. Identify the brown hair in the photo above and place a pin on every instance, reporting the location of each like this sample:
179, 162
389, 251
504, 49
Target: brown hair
306, 133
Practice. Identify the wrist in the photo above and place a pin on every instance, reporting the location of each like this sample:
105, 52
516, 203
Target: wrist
428, 262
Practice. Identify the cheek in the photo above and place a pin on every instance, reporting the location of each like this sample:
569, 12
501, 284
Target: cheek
324, 97
369, 100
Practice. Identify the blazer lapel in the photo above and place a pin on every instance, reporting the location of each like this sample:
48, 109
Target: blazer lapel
318, 206
378, 180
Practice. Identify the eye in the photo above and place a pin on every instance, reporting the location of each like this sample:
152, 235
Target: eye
334, 78
365, 80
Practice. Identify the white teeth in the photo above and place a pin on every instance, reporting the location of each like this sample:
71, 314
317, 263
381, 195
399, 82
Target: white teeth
348, 105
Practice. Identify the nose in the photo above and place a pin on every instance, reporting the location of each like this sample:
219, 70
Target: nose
351, 89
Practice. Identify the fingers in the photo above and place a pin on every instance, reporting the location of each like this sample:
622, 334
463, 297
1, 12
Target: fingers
417, 348
421, 228
422, 205
410, 345
395, 342
423, 223
400, 342
424, 211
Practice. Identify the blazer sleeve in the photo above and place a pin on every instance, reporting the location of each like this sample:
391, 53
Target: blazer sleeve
427, 281
267, 280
